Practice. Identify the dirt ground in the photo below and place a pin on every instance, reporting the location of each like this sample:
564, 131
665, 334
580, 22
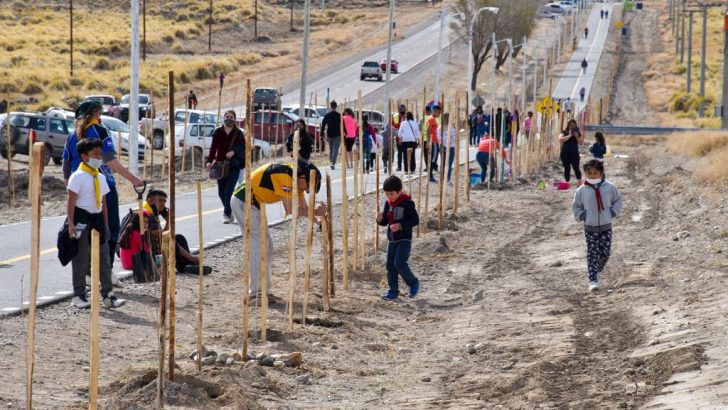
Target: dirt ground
504, 319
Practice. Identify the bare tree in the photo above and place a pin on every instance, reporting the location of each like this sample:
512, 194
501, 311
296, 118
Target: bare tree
515, 19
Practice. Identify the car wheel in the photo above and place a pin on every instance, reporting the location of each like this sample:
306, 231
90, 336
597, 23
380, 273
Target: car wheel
361, 78
379, 78
47, 154
158, 139
4, 154
57, 160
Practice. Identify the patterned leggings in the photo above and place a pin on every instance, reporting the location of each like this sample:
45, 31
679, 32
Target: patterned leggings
598, 249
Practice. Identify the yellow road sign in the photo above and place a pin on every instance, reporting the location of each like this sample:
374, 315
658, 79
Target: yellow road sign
619, 24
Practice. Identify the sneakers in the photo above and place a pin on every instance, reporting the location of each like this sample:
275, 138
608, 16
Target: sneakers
227, 219
414, 289
333, 167
594, 286
112, 302
390, 295
80, 302
195, 270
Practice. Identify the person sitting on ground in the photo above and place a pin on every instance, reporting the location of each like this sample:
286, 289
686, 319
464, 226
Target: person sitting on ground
400, 217
599, 148
87, 210
596, 203
156, 206
305, 142
270, 184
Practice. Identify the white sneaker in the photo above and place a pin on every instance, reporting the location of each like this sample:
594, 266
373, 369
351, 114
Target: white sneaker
80, 302
594, 286
227, 219
112, 302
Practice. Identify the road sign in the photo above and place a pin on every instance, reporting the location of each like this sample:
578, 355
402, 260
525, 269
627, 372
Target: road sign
478, 100
619, 24
547, 104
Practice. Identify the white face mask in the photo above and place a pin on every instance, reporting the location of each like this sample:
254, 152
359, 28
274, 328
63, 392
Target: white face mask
594, 181
94, 163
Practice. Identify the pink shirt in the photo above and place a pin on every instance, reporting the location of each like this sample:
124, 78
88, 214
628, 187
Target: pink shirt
350, 127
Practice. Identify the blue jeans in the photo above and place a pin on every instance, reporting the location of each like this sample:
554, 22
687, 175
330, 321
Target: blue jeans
482, 158
225, 188
397, 256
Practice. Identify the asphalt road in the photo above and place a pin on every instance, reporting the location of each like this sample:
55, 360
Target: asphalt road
55, 280
573, 77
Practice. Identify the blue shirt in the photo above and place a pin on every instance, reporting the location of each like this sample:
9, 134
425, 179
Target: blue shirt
108, 151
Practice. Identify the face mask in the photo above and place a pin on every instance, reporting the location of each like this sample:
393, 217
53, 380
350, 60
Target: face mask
94, 163
594, 181
229, 123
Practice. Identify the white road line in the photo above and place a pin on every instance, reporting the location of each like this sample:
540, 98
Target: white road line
11, 309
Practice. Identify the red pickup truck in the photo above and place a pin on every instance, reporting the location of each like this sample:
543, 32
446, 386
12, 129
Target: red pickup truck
275, 126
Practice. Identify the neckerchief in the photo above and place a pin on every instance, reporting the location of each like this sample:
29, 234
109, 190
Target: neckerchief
148, 208
600, 204
97, 185
399, 201
92, 122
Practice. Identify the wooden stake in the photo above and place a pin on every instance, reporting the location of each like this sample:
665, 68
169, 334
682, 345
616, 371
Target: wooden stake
184, 138
201, 291
162, 320
248, 204
294, 230
150, 139
263, 274
391, 138
8, 138
93, 383
443, 160
377, 190
36, 175
171, 225
344, 210
325, 301
330, 234
355, 251
309, 244
409, 171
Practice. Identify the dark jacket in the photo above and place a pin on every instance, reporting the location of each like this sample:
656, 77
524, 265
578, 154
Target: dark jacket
67, 246
404, 214
331, 125
305, 145
221, 142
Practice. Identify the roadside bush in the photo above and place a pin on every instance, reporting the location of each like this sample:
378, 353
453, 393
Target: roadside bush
194, 31
179, 34
32, 87
168, 38
247, 59
341, 20
102, 64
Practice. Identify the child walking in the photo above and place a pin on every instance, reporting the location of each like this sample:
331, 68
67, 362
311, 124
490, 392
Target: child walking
399, 216
596, 203
86, 210
599, 148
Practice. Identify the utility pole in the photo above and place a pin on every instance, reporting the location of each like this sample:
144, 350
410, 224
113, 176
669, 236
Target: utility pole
387, 94
701, 108
209, 30
144, 30
494, 52
438, 68
304, 57
724, 114
255, 24
690, 51
535, 76
132, 149
70, 20
510, 68
291, 4
523, 77
682, 36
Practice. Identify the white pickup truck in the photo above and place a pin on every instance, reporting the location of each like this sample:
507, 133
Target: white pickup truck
198, 137
371, 69
157, 127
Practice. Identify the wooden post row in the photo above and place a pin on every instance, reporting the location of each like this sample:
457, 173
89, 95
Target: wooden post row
172, 231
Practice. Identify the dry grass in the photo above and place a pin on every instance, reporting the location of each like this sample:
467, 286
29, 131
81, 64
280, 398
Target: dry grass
711, 146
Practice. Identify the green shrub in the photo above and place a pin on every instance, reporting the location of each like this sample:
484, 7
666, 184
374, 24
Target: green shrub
32, 88
102, 64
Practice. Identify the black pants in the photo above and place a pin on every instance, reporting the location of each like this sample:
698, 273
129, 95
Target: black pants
409, 163
180, 261
225, 188
400, 154
570, 160
425, 155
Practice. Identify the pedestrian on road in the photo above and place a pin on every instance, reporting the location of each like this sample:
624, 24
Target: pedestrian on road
88, 126
567, 107
192, 100
305, 141
483, 127
584, 65
570, 140
582, 93
586, 32
270, 184
409, 134
606, 14
397, 119
487, 148
446, 134
432, 124
350, 134
596, 203
599, 147
472, 127
228, 144
425, 139
527, 124
368, 144
601, 14
399, 216
331, 128
86, 211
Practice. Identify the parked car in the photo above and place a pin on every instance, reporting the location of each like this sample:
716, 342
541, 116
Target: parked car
556, 8
394, 66
51, 127
107, 102
145, 107
570, 5
543, 13
266, 97
157, 127
118, 130
275, 126
376, 118
314, 114
198, 138
370, 69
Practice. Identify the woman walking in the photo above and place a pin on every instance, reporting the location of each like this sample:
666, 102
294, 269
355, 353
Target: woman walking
409, 134
570, 140
350, 131
228, 144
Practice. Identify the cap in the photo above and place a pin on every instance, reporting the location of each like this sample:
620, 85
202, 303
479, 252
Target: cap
87, 107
